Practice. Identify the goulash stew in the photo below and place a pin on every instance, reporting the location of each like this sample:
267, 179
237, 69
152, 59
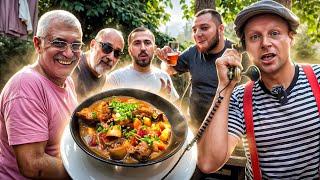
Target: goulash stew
124, 128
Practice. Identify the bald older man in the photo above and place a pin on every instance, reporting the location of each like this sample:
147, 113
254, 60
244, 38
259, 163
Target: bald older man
105, 51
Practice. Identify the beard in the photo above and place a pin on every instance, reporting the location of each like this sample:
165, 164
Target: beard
214, 43
101, 66
143, 62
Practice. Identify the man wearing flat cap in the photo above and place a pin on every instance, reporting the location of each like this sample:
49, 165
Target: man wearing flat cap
278, 116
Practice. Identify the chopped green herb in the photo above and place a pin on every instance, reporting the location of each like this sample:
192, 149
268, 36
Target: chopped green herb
150, 139
130, 133
94, 115
123, 110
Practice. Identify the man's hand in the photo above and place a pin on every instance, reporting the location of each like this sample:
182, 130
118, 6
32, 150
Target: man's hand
165, 87
230, 58
162, 54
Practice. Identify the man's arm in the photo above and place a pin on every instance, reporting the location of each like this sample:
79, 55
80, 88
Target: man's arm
34, 163
216, 145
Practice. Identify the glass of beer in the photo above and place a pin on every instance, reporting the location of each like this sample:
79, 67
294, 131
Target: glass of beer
173, 56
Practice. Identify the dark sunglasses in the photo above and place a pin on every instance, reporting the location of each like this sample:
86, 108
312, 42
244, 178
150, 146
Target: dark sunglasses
107, 48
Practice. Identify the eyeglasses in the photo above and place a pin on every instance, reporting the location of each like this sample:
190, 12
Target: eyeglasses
107, 48
62, 45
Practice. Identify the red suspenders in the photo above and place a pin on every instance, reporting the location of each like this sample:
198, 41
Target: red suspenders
248, 116
315, 86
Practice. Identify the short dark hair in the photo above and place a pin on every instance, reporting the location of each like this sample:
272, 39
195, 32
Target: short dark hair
138, 29
215, 15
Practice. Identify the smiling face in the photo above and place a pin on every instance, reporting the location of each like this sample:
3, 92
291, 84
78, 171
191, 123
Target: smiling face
205, 33
141, 48
99, 60
54, 63
268, 41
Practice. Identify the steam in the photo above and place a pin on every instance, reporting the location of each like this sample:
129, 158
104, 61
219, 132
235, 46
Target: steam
13, 65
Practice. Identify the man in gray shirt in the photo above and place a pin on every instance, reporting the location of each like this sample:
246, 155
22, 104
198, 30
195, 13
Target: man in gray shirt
105, 51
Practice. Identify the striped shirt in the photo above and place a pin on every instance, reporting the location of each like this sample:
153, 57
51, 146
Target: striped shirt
288, 135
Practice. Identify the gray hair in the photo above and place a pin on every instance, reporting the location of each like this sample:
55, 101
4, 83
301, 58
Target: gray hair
62, 16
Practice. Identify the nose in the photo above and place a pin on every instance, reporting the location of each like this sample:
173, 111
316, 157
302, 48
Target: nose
111, 57
68, 52
266, 42
143, 46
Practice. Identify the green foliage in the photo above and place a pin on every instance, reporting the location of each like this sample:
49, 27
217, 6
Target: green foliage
309, 13
124, 15
302, 48
10, 46
188, 11
14, 54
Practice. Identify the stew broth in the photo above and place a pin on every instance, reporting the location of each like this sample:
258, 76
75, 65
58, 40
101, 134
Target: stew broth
124, 128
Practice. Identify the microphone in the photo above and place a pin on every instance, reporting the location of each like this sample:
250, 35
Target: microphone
280, 93
253, 73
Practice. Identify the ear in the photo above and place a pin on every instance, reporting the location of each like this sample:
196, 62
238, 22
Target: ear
221, 28
92, 43
291, 36
37, 44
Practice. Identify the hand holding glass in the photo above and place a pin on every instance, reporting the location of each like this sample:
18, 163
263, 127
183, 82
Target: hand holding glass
173, 56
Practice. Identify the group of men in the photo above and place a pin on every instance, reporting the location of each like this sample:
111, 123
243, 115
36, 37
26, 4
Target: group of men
37, 101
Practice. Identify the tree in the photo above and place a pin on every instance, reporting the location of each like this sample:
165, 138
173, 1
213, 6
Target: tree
204, 4
286, 3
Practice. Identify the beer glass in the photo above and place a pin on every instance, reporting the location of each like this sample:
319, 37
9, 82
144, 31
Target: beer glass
173, 56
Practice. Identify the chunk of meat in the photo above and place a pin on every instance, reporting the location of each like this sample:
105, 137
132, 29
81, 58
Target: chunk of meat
144, 112
98, 111
142, 152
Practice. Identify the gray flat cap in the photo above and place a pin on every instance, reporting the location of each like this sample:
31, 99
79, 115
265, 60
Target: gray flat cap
265, 7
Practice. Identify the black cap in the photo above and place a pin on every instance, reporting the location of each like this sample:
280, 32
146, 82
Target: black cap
265, 7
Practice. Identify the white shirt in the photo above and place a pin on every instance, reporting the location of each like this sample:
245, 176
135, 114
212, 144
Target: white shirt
128, 77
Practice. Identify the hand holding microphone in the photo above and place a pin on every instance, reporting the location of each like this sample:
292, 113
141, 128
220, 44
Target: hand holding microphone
229, 61
252, 72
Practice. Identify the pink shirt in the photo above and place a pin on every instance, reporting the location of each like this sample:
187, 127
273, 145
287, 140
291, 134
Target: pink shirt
32, 109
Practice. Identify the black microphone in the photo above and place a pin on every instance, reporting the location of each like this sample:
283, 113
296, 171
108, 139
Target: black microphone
280, 93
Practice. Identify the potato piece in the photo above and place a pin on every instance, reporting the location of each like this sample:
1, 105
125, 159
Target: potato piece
165, 135
114, 131
119, 152
147, 121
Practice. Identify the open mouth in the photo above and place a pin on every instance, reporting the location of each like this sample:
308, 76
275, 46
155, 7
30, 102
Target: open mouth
143, 55
201, 42
65, 62
268, 57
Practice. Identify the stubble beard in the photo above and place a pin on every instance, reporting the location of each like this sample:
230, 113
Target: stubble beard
214, 43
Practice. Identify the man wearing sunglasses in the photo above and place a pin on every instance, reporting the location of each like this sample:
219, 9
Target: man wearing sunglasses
36, 103
105, 51
141, 74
